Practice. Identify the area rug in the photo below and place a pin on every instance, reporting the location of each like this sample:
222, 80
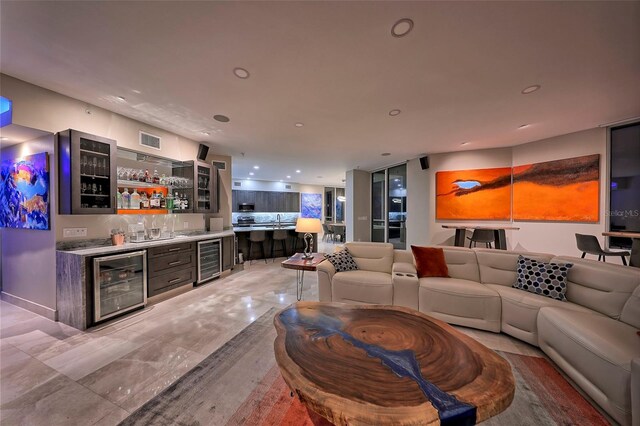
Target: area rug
240, 384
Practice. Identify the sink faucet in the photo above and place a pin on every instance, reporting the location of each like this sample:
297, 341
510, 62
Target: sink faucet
278, 219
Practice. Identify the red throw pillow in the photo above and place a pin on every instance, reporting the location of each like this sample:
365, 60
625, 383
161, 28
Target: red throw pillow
430, 262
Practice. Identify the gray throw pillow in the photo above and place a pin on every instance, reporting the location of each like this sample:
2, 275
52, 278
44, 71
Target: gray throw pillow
545, 279
342, 261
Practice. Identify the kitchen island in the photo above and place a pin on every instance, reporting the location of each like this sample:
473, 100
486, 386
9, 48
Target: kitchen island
292, 243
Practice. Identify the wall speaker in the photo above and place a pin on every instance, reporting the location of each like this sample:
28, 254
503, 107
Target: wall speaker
203, 150
424, 163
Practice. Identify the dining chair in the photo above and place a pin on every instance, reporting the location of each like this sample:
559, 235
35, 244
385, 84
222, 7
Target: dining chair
486, 236
590, 244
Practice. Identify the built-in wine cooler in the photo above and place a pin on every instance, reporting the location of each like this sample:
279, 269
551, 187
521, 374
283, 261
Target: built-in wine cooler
120, 284
209, 260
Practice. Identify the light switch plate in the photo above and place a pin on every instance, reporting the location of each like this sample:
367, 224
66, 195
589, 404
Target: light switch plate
74, 232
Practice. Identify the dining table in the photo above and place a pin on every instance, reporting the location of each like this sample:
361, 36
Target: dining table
634, 260
498, 230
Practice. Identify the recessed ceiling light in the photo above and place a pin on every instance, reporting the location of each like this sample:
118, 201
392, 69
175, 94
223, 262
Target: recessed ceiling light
241, 73
122, 98
396, 180
256, 167
221, 118
399, 185
530, 89
251, 173
299, 124
297, 171
465, 143
137, 92
206, 133
394, 112
524, 126
288, 177
385, 154
402, 27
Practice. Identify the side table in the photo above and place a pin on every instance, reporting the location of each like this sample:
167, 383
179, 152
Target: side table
301, 265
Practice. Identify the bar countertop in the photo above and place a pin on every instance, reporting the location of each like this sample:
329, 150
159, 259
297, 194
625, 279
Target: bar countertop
263, 228
93, 248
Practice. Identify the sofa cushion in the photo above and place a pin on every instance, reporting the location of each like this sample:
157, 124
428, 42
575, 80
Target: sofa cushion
520, 311
499, 266
430, 262
376, 257
544, 279
462, 263
362, 286
595, 351
631, 310
342, 260
460, 301
600, 286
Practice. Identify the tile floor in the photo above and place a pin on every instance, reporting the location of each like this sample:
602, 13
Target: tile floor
52, 374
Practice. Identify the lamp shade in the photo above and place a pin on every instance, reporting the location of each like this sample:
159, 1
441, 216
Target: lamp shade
308, 225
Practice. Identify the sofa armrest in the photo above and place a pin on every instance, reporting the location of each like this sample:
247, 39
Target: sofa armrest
404, 268
326, 271
635, 391
405, 286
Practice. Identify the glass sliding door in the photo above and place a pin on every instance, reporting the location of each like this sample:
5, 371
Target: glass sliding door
397, 206
378, 206
389, 206
329, 194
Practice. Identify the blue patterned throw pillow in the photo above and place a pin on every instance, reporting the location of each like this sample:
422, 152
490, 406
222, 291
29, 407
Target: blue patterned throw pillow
545, 279
342, 261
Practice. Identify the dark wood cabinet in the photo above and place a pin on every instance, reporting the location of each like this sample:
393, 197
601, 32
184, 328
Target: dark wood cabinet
88, 178
267, 201
170, 267
228, 252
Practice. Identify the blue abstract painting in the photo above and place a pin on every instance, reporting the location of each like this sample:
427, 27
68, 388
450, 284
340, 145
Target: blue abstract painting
311, 206
24, 192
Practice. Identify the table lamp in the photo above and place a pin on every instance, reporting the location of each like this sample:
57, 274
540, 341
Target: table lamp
308, 226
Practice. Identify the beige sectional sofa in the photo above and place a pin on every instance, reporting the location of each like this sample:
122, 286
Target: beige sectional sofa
592, 336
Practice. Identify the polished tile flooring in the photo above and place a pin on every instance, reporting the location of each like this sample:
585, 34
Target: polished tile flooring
52, 374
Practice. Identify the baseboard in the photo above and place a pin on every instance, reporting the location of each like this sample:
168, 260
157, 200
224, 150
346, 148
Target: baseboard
36, 308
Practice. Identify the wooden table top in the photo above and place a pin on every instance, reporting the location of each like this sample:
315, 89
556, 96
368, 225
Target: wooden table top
480, 227
372, 364
622, 234
298, 262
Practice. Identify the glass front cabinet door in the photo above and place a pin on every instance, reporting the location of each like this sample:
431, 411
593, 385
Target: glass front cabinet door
87, 173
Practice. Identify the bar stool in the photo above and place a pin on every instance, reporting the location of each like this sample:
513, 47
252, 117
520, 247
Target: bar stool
279, 235
299, 238
257, 237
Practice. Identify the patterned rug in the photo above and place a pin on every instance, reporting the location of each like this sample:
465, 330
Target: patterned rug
240, 384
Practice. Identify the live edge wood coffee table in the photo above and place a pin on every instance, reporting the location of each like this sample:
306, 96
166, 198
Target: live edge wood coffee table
377, 365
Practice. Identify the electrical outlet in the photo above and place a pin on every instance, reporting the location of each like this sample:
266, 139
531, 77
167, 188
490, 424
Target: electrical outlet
74, 232
185, 225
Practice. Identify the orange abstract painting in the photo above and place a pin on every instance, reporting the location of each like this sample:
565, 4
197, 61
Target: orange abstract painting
562, 190
482, 194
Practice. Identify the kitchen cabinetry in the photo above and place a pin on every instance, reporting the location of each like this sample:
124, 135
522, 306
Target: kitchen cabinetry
170, 267
206, 188
228, 252
87, 178
267, 201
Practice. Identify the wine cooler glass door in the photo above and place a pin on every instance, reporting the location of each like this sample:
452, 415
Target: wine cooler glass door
120, 284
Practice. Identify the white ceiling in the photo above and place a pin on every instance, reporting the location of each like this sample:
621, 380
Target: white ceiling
335, 67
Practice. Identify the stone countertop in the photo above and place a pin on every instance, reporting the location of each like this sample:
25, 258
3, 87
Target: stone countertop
183, 238
262, 228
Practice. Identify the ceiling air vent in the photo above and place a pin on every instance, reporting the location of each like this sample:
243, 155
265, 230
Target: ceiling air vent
221, 165
149, 140
287, 187
237, 183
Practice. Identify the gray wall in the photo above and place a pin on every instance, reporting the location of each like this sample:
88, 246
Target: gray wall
358, 205
29, 256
